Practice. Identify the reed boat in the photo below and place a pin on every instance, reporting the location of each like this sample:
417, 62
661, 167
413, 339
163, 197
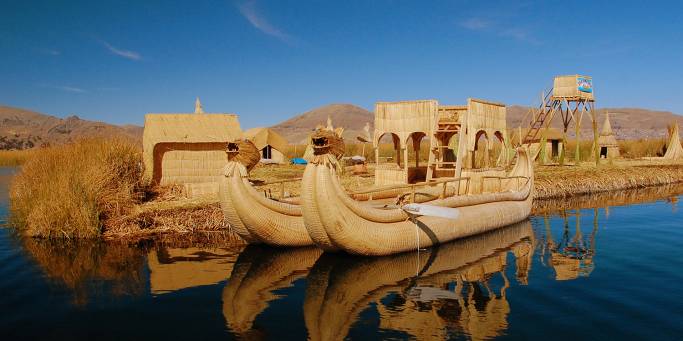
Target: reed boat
335, 221
340, 287
256, 218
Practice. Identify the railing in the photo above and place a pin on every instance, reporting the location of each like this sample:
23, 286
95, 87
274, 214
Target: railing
269, 194
500, 181
412, 187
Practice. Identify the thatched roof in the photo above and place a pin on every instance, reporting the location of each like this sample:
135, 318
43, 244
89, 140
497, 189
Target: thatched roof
262, 137
186, 128
607, 138
191, 128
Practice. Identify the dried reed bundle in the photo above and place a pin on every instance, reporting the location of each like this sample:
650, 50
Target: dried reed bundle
198, 220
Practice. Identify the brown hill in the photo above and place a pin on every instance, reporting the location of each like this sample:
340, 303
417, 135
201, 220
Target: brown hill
22, 129
627, 123
352, 118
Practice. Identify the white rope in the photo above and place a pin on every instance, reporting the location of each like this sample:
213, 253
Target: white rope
417, 232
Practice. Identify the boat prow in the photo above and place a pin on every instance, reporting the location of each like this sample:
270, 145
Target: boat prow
258, 219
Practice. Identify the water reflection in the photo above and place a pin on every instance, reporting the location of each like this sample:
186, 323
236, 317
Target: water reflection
257, 274
173, 269
570, 255
440, 291
471, 287
6, 175
90, 268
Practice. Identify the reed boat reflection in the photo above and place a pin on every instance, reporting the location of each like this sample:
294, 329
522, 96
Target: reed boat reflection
257, 274
173, 269
431, 294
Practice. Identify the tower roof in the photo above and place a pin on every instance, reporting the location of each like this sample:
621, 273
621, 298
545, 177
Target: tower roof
607, 126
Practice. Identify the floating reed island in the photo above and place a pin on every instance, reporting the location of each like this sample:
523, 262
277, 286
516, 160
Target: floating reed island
199, 178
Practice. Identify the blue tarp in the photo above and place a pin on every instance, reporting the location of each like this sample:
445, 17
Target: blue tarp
299, 161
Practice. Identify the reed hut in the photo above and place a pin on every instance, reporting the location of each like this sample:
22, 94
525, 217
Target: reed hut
270, 144
188, 149
552, 136
609, 148
674, 149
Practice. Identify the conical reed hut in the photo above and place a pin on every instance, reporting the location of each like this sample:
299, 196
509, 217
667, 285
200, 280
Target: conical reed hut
674, 149
607, 142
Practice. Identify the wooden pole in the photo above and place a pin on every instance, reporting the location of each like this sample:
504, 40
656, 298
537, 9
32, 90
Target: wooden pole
377, 155
577, 123
486, 152
462, 139
565, 124
405, 161
596, 151
542, 146
397, 149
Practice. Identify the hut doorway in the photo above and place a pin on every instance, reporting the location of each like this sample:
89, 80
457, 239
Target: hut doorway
267, 152
555, 148
603, 152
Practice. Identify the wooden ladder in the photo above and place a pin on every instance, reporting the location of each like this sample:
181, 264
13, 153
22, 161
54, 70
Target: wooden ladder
443, 131
546, 111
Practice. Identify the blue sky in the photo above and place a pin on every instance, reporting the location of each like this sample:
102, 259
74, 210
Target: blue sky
114, 61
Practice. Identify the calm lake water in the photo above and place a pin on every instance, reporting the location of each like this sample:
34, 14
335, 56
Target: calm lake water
596, 273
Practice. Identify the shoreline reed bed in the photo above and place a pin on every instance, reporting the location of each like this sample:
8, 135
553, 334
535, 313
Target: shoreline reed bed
70, 191
562, 182
14, 158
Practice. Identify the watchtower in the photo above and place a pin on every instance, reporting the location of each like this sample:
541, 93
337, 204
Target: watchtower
572, 96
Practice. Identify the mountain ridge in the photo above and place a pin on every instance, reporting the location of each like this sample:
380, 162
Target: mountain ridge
22, 128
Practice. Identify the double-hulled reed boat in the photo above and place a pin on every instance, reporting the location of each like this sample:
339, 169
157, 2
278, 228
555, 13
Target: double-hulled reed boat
335, 221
